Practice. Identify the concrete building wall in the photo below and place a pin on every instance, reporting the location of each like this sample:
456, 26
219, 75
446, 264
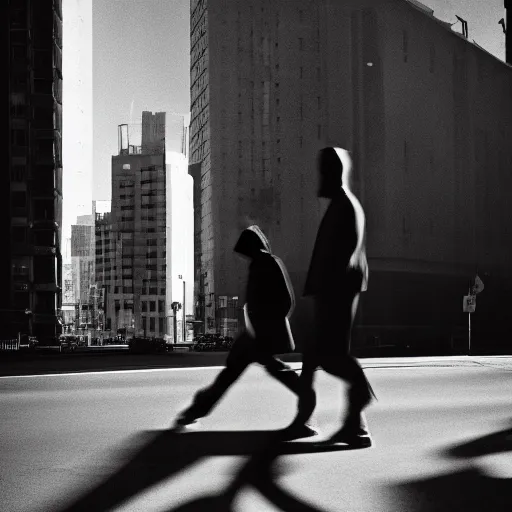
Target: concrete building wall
426, 116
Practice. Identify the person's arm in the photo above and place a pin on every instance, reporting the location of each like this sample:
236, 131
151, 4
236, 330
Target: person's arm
360, 226
286, 287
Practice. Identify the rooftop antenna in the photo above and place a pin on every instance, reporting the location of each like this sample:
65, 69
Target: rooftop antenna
464, 26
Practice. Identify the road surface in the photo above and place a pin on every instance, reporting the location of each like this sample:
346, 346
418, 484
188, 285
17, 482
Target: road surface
100, 441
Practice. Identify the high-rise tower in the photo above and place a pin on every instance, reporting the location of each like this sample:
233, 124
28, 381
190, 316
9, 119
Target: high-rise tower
31, 186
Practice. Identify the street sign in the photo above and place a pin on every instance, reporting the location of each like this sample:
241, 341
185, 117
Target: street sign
469, 303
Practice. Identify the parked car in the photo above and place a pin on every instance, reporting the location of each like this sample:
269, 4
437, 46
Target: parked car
68, 343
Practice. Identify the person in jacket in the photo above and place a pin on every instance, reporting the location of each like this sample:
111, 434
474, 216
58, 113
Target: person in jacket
269, 303
338, 273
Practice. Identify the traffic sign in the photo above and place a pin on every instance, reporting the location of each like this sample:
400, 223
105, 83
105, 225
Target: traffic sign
469, 303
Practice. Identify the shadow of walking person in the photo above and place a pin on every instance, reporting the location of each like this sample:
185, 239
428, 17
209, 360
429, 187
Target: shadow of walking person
470, 489
167, 453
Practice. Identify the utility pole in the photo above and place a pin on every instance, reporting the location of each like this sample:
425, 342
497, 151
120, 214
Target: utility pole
184, 329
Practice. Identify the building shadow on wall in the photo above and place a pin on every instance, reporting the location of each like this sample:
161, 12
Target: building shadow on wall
469, 489
170, 452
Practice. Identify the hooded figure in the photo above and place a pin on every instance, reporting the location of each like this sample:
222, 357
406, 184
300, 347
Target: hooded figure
269, 303
269, 300
338, 272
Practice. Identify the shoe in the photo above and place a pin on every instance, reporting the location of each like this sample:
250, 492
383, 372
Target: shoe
355, 439
297, 431
185, 420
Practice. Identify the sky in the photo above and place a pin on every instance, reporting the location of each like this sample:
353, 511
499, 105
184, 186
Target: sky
140, 61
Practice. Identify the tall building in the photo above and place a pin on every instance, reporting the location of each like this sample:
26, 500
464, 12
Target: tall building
82, 264
427, 116
147, 194
138, 225
31, 186
105, 260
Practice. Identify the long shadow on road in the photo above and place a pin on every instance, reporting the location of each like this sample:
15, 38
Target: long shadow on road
466, 490
169, 452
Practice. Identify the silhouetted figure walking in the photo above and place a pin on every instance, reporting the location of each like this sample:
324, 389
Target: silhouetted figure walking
269, 303
337, 274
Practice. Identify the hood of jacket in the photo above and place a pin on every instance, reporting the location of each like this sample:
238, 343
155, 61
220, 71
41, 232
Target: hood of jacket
251, 242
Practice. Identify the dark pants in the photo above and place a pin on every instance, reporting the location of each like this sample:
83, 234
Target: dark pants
334, 317
243, 353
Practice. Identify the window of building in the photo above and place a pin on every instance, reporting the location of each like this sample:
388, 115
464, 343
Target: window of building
152, 306
20, 268
161, 306
44, 237
18, 104
19, 201
19, 17
44, 209
161, 326
18, 53
152, 324
42, 59
19, 234
144, 306
43, 86
144, 323
18, 137
21, 299
44, 269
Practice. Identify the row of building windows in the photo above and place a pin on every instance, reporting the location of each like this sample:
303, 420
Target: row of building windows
151, 325
150, 306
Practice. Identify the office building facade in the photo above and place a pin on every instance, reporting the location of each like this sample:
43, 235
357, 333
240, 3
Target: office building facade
427, 117
31, 186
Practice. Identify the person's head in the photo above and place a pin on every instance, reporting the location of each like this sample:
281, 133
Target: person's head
251, 242
335, 171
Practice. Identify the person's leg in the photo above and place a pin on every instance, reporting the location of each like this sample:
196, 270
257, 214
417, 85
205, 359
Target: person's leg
342, 365
240, 356
280, 371
300, 426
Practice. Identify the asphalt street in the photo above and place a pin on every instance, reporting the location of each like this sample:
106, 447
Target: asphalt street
101, 441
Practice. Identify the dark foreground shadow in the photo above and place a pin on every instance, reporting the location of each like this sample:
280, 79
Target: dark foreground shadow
468, 490
166, 453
